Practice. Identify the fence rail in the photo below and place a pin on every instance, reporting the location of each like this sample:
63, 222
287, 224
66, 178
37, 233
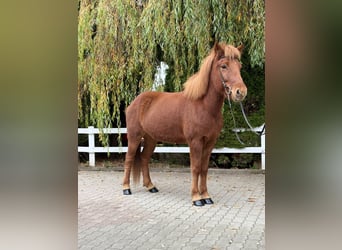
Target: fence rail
91, 149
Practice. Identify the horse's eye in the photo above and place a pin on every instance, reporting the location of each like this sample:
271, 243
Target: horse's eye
224, 66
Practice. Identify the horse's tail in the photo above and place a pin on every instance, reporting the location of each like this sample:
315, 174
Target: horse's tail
137, 166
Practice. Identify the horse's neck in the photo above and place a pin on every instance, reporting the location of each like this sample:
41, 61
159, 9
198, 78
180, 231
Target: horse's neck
213, 100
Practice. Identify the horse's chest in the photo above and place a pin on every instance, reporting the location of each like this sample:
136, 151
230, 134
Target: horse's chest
209, 127
213, 129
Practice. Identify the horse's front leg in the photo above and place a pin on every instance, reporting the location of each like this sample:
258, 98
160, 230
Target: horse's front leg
204, 175
196, 148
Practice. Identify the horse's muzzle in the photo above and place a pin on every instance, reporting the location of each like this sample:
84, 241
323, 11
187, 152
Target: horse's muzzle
238, 94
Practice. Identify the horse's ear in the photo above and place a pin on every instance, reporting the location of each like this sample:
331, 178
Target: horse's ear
240, 48
218, 50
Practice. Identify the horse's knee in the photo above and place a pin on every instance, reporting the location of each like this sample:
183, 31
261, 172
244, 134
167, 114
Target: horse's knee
195, 171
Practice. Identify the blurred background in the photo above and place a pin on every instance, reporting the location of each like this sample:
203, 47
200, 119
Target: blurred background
39, 120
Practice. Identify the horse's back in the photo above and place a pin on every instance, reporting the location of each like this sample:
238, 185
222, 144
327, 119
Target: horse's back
142, 104
154, 101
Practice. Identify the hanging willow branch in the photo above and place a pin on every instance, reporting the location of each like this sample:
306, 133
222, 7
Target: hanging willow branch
121, 43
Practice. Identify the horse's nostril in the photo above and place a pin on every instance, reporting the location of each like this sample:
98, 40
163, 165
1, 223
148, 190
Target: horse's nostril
238, 92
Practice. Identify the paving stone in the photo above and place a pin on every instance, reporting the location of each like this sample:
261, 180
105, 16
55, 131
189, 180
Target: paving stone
251, 244
167, 219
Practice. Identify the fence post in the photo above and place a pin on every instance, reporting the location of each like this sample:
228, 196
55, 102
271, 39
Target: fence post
91, 143
263, 150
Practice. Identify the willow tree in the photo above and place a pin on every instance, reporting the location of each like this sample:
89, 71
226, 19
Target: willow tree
121, 42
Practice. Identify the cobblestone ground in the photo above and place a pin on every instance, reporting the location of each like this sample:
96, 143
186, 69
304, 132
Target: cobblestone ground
167, 220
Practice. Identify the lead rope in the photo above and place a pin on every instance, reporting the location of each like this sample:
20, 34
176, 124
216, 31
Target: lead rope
249, 125
228, 91
231, 111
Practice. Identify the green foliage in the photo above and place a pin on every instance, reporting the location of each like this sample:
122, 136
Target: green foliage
223, 160
242, 160
122, 41
235, 160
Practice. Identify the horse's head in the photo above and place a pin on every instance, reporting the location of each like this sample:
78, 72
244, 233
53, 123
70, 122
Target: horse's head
228, 68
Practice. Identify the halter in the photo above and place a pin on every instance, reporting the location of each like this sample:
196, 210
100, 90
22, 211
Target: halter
228, 91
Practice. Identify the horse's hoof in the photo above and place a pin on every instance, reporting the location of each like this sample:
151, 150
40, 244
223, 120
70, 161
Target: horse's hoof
127, 191
198, 203
208, 201
153, 190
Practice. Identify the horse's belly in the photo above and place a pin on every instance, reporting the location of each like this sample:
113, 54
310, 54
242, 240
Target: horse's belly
171, 135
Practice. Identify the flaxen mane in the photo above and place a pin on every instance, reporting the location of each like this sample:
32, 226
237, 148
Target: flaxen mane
196, 86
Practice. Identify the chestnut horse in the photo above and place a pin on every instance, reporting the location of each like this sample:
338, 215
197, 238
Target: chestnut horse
192, 116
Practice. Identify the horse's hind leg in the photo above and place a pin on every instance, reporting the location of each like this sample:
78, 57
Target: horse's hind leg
133, 146
149, 146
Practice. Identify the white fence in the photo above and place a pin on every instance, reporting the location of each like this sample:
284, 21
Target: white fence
91, 149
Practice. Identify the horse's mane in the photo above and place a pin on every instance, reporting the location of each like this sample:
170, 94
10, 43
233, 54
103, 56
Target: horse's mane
196, 86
